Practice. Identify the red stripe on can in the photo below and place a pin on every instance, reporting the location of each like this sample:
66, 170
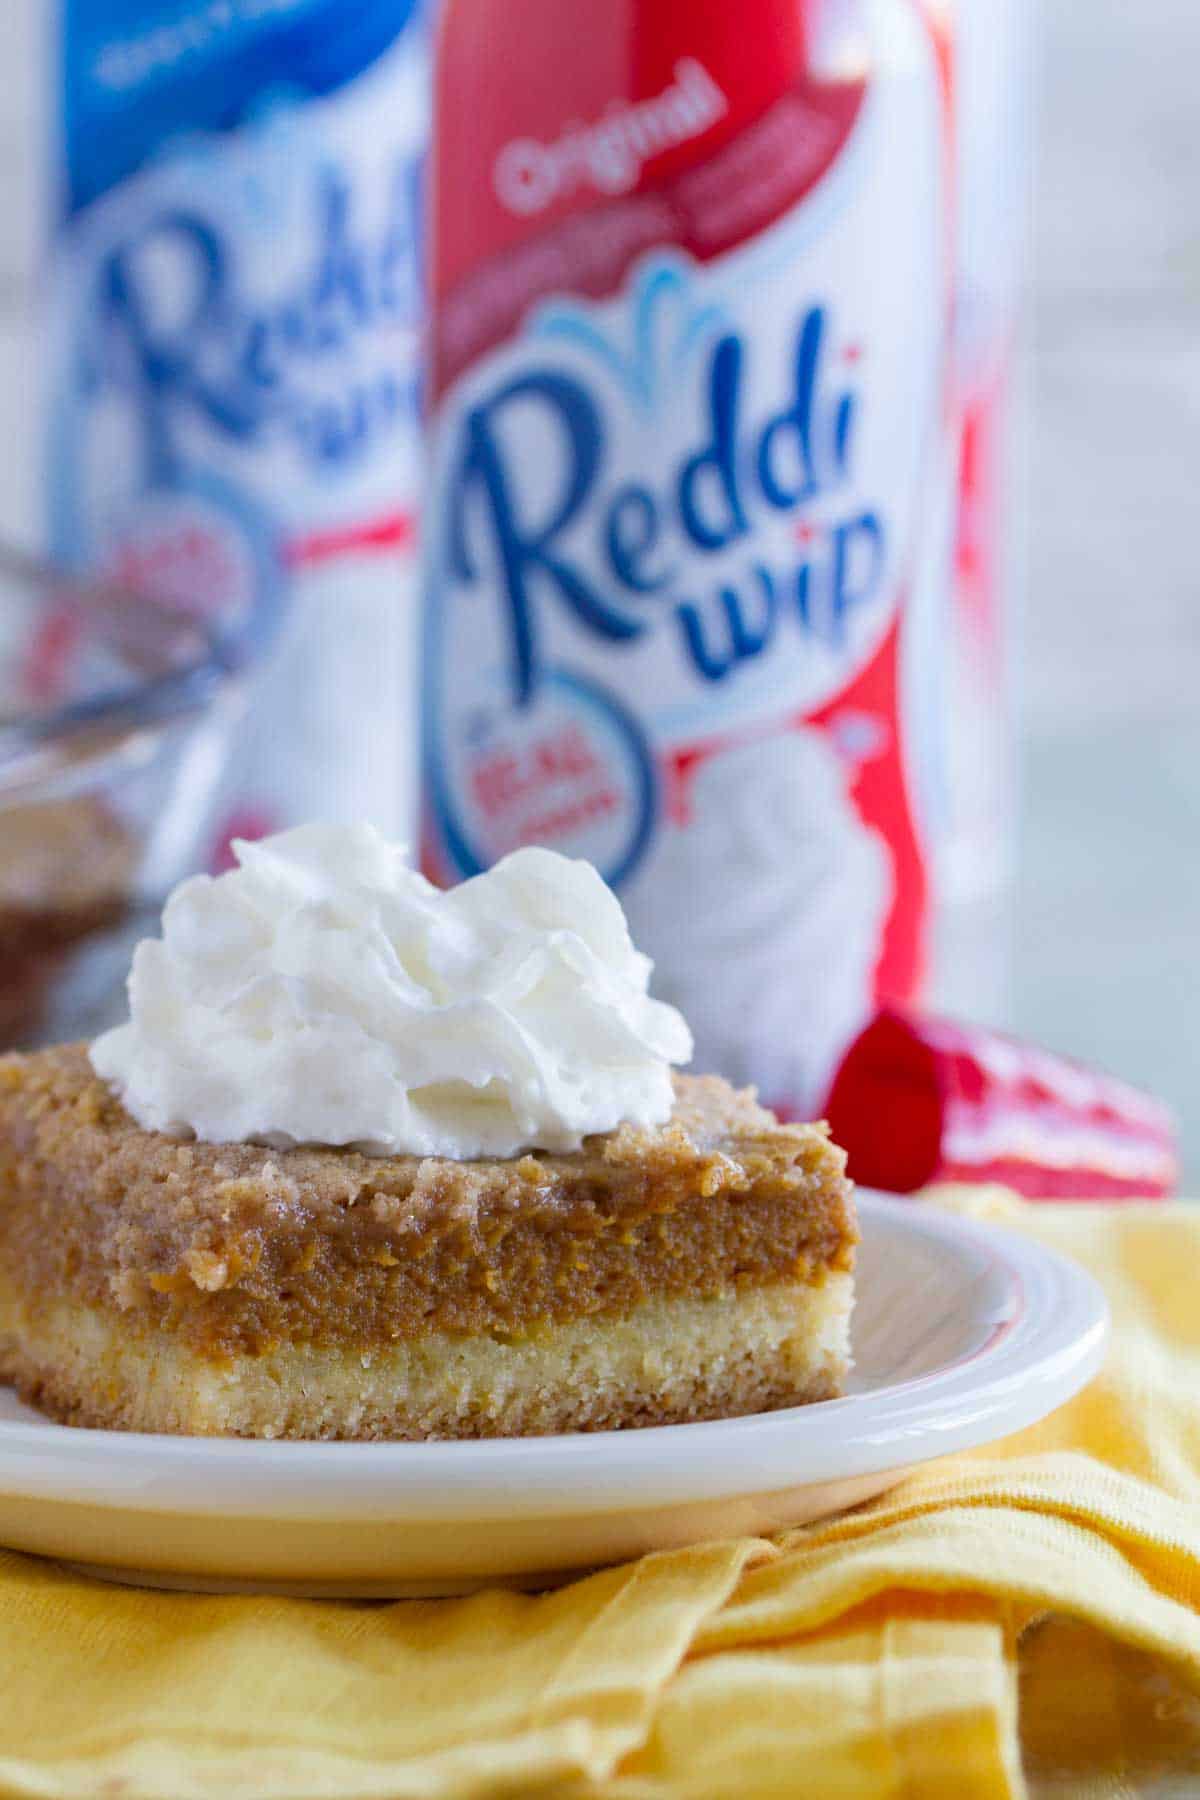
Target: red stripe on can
394, 531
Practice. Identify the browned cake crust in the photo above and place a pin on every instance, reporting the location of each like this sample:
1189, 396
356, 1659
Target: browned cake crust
234, 1252
237, 1248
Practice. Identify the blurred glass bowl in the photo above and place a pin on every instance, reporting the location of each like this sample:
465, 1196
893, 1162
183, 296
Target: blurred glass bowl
115, 718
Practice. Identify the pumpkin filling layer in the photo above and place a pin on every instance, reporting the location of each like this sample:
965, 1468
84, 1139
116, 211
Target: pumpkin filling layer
682, 1272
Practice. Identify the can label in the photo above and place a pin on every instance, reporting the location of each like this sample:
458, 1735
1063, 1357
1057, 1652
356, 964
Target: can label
234, 392
679, 516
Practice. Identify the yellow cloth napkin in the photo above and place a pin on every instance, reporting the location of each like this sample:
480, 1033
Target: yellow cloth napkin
1023, 1619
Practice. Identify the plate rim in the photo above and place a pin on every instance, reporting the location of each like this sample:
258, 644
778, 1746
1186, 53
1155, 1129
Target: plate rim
1048, 1347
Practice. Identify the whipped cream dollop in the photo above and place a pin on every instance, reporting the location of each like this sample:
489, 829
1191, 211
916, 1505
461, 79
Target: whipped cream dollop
323, 992
764, 912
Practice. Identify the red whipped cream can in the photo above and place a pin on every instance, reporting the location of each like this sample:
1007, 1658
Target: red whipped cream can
919, 1100
690, 516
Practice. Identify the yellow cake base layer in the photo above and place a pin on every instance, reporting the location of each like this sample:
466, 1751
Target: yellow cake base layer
671, 1360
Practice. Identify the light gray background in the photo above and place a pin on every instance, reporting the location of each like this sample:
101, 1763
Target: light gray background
1106, 929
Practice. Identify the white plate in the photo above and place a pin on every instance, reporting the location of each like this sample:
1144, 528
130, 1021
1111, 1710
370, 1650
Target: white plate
963, 1333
